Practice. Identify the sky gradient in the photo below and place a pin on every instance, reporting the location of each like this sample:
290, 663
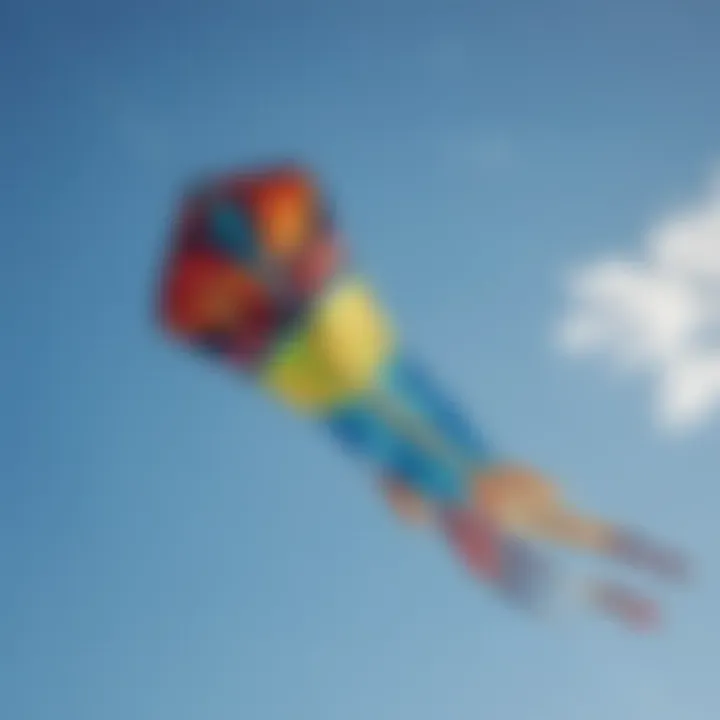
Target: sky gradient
172, 544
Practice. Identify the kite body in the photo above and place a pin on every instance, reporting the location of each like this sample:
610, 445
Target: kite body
373, 398
274, 299
257, 277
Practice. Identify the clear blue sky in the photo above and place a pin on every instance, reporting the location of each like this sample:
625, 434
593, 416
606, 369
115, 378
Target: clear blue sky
172, 545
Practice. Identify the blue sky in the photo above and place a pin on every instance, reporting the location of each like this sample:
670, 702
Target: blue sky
172, 544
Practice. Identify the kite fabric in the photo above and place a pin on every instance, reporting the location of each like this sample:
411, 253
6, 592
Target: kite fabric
258, 277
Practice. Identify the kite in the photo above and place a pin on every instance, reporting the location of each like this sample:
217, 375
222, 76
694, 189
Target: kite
258, 277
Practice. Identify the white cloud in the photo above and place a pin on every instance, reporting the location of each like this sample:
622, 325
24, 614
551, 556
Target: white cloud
658, 314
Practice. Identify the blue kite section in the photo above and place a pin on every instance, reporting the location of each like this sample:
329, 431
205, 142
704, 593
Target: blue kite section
382, 425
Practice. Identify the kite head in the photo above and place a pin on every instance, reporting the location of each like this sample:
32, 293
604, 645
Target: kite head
249, 253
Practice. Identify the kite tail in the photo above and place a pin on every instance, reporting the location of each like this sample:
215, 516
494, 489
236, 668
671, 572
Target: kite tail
514, 568
623, 604
523, 575
637, 551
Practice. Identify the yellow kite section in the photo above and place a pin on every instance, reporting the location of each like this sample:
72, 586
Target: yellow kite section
336, 354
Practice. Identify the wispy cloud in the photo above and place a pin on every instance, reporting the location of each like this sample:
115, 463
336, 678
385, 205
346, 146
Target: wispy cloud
658, 313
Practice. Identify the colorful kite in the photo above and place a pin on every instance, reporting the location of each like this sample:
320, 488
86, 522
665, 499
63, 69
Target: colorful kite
257, 276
